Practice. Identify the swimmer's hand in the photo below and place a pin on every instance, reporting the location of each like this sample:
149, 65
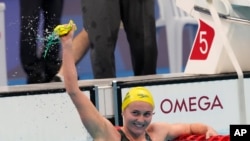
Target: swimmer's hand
62, 30
67, 39
210, 132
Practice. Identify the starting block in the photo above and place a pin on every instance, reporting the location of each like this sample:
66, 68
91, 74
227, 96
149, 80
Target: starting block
221, 44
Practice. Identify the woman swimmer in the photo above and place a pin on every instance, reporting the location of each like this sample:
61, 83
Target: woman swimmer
137, 110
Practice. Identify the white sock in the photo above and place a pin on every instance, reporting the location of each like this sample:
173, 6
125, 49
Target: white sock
60, 76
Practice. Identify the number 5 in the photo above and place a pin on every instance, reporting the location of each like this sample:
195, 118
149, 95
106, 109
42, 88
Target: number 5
203, 40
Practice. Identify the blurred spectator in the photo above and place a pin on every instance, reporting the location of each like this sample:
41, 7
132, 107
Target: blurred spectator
39, 69
102, 22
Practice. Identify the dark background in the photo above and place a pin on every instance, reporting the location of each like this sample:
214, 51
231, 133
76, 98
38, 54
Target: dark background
72, 10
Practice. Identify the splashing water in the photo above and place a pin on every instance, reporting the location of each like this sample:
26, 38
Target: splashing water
51, 40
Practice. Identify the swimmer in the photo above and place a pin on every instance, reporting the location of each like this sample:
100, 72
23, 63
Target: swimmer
137, 110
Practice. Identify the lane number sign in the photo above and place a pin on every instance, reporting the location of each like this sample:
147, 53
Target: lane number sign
203, 42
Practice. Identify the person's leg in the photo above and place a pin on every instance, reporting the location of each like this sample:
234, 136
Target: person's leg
139, 23
101, 21
80, 45
80, 48
52, 11
31, 63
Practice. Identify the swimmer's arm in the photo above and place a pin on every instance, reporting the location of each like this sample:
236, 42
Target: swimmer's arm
171, 131
96, 124
179, 129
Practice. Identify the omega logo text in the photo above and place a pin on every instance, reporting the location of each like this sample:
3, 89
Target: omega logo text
190, 104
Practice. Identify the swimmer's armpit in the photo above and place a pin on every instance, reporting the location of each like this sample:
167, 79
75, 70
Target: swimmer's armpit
64, 29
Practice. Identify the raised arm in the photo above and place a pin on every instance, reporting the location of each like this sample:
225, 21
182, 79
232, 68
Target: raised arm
95, 123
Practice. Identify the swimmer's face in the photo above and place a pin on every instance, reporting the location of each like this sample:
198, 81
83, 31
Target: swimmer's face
137, 116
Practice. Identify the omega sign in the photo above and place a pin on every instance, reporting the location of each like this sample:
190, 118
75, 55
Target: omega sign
190, 104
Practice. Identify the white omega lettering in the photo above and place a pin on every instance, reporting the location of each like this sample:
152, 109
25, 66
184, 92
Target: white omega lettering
190, 104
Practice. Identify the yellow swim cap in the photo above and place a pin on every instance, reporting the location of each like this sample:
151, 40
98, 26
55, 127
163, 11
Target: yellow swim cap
64, 29
138, 94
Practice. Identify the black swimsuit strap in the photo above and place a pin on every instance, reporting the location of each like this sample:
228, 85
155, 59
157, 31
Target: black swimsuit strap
124, 138
147, 137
